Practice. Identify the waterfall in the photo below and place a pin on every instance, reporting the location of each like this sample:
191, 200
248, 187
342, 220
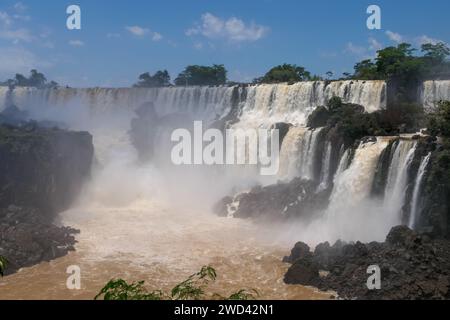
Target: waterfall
290, 153
434, 91
395, 192
265, 102
353, 185
325, 171
415, 210
351, 214
298, 153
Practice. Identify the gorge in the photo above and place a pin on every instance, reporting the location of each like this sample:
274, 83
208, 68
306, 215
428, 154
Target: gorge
153, 216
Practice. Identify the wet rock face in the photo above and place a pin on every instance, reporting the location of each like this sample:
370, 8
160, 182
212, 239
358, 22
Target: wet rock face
43, 168
143, 130
413, 266
27, 237
296, 198
42, 171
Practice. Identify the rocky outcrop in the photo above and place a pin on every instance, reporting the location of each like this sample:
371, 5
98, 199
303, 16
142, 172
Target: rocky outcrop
42, 168
42, 171
413, 266
143, 130
296, 198
27, 237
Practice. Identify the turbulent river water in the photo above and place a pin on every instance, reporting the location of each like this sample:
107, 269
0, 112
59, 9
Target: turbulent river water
154, 222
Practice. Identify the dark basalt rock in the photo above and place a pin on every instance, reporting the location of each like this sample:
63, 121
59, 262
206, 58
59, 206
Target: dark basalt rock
300, 251
143, 130
27, 237
413, 266
42, 171
296, 198
43, 168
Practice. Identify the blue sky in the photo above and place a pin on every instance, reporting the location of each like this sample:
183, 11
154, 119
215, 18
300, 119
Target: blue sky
121, 39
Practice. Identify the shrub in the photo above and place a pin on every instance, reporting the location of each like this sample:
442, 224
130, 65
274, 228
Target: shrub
193, 288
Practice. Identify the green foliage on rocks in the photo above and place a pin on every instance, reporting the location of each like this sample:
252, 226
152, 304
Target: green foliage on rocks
438, 181
354, 123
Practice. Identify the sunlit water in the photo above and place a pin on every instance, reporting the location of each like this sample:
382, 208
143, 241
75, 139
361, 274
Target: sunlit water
148, 242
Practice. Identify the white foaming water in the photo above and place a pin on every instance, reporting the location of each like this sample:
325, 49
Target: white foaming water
325, 172
160, 214
434, 91
298, 152
351, 215
415, 210
395, 192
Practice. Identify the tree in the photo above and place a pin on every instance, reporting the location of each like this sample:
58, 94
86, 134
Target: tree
329, 74
439, 120
35, 80
286, 73
366, 69
196, 75
438, 53
159, 79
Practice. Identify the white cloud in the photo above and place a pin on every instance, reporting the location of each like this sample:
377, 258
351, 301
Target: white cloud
76, 43
137, 31
364, 52
5, 19
426, 39
374, 44
22, 17
156, 36
19, 60
355, 49
198, 45
396, 37
113, 35
16, 35
20, 7
232, 29
8, 31
142, 32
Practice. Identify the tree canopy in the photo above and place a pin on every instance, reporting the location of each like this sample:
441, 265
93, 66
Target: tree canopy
196, 75
401, 63
159, 79
35, 79
285, 73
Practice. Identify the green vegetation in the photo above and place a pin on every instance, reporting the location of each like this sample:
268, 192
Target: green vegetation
354, 123
202, 76
159, 79
401, 63
193, 288
438, 181
285, 73
3, 264
439, 120
36, 80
